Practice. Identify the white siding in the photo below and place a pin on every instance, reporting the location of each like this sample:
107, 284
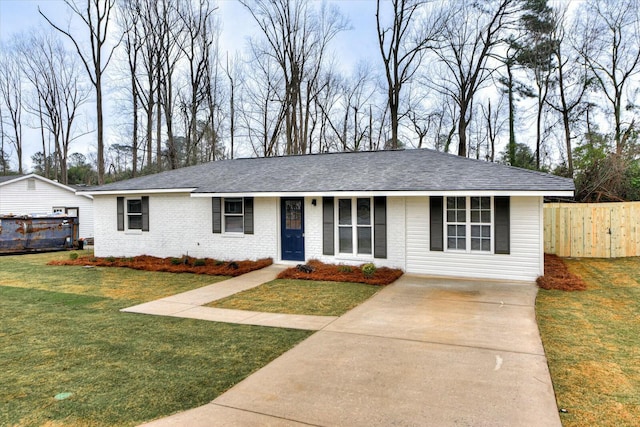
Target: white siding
17, 199
182, 225
525, 262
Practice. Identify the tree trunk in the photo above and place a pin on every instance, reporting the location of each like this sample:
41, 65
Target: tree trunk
512, 119
462, 131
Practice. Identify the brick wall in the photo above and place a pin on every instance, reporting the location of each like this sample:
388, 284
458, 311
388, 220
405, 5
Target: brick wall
181, 225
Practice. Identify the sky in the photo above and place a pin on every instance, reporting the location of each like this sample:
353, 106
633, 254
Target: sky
351, 47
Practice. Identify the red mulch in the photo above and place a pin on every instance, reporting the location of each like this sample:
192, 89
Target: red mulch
342, 273
187, 264
557, 276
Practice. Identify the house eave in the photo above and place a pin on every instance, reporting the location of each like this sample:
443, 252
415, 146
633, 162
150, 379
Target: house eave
516, 193
140, 191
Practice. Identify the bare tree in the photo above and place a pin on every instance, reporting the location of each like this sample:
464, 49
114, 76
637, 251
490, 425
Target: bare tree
343, 103
55, 77
297, 36
148, 79
469, 43
403, 43
173, 31
11, 98
572, 82
196, 46
494, 123
233, 82
611, 49
133, 42
262, 118
96, 18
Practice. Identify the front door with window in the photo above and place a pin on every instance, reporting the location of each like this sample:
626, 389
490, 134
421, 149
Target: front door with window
292, 229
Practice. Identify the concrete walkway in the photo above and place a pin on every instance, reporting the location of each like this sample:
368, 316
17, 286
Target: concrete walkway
421, 352
190, 304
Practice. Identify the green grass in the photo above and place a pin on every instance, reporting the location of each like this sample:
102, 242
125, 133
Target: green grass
592, 342
62, 333
300, 297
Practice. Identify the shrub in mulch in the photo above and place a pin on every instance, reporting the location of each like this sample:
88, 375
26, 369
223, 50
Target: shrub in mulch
184, 264
557, 276
316, 270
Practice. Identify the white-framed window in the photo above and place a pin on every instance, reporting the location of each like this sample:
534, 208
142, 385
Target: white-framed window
134, 213
469, 221
233, 215
355, 226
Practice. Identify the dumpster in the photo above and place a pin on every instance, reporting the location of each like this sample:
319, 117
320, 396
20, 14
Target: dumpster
33, 233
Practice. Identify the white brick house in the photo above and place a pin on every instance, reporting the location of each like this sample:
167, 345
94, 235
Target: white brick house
34, 194
423, 211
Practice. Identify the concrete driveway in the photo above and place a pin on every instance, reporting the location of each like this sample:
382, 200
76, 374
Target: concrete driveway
422, 352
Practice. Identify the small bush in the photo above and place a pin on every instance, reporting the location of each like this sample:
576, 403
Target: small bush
368, 270
219, 263
176, 261
73, 255
93, 259
110, 259
199, 263
345, 269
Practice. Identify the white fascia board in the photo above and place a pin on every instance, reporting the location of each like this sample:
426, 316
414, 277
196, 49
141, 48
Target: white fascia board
129, 192
45, 180
556, 193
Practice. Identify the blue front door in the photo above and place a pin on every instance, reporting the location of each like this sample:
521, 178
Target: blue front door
292, 234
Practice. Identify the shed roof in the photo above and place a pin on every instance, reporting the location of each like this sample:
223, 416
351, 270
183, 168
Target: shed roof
5, 178
376, 171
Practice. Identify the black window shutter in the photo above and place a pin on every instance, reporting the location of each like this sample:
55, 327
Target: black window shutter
120, 213
145, 213
436, 242
248, 215
380, 227
502, 225
216, 203
328, 245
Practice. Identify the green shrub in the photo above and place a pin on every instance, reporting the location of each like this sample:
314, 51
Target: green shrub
199, 263
176, 261
73, 255
368, 270
219, 263
345, 268
110, 259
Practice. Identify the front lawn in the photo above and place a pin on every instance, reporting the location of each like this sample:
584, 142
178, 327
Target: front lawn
592, 342
300, 297
63, 336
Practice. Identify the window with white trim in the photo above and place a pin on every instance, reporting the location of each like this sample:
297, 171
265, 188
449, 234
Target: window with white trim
481, 224
355, 226
134, 214
233, 215
469, 221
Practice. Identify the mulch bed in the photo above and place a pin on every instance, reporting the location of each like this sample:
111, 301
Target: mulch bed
557, 276
340, 273
172, 265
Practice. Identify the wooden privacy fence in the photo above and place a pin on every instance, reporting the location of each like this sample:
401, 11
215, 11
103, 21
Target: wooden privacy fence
592, 230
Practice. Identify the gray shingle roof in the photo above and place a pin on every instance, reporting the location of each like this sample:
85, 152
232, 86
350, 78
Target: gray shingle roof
5, 178
389, 171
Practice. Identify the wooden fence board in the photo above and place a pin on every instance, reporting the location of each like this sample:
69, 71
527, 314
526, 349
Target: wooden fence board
595, 230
